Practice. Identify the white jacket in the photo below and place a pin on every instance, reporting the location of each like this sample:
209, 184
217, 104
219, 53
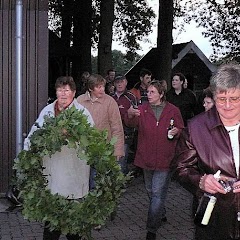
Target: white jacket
67, 175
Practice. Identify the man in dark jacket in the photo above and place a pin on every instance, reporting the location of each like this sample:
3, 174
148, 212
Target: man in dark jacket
125, 99
211, 143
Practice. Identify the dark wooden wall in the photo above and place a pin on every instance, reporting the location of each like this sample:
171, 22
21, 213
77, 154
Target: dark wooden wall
34, 75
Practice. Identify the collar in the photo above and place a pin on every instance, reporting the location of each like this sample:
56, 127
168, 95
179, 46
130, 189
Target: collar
87, 98
161, 105
214, 120
57, 111
124, 93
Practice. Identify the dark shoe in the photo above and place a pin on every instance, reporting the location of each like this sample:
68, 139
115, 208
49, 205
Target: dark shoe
151, 236
113, 215
164, 219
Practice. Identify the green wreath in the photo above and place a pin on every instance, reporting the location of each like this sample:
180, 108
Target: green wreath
70, 128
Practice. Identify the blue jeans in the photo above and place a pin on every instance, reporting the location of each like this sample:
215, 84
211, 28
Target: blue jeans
92, 183
156, 184
123, 160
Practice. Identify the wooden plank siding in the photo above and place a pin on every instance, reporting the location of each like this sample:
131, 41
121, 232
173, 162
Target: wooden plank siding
34, 75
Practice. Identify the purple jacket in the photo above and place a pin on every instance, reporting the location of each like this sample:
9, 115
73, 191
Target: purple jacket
154, 150
205, 148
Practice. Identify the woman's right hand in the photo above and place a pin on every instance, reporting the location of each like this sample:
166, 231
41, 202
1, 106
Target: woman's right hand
132, 112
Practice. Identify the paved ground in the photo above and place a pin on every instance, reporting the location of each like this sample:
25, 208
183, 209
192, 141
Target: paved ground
129, 223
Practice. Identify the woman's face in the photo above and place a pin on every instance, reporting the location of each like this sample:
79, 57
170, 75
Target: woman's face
153, 95
98, 91
228, 106
208, 103
64, 95
177, 83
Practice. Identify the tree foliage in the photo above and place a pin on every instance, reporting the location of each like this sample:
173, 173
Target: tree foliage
119, 61
220, 20
132, 21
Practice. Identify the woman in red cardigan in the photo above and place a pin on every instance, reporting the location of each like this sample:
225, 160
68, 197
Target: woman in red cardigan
155, 151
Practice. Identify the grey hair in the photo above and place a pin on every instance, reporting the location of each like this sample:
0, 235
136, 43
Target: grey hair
227, 76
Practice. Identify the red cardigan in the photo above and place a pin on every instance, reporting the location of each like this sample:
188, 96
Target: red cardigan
154, 150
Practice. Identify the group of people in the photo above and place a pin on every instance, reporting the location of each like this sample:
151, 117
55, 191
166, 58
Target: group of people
199, 146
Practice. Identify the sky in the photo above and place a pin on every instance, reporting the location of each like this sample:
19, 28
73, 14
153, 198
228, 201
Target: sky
191, 33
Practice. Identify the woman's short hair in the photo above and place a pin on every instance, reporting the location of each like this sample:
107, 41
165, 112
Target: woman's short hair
95, 80
159, 85
181, 76
65, 80
207, 93
227, 76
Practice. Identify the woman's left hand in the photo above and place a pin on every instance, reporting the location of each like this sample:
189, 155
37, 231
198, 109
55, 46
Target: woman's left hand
174, 131
236, 187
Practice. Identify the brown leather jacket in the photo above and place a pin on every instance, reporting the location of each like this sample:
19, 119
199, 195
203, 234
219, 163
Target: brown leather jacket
205, 147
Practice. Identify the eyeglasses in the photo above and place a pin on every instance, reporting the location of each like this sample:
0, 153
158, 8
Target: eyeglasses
65, 91
223, 100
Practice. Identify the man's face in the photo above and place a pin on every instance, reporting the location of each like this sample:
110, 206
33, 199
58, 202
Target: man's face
111, 76
146, 80
120, 85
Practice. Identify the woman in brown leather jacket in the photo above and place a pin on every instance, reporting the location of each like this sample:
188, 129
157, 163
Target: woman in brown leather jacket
211, 143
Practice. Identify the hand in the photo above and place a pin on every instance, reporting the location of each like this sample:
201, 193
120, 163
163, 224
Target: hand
132, 112
236, 187
211, 185
174, 131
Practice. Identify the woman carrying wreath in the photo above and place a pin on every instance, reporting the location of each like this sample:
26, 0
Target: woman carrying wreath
66, 174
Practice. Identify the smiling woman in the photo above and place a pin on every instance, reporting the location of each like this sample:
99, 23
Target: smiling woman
211, 143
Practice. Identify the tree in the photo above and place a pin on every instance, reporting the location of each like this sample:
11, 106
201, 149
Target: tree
220, 20
164, 40
119, 61
82, 35
133, 20
105, 36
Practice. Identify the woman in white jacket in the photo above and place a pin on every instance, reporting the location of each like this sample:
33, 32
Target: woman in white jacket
67, 175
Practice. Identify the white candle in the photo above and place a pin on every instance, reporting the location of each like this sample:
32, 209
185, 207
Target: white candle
209, 210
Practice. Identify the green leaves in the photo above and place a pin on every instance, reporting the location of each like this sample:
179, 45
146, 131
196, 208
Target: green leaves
69, 128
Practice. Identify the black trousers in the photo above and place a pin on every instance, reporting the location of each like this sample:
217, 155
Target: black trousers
55, 235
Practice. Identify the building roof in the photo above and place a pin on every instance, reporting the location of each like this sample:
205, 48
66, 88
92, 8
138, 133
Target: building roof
182, 49
179, 51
